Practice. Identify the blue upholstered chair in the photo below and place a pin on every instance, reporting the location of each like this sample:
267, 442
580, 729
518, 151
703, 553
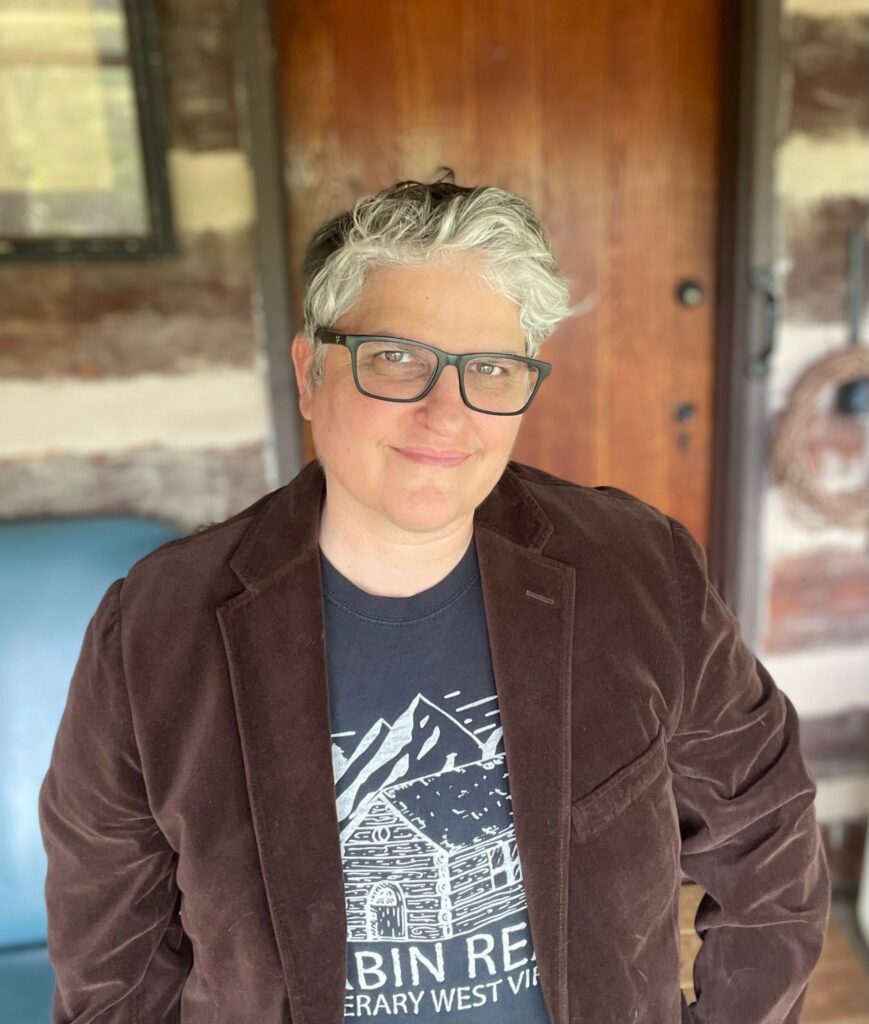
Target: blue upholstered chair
53, 573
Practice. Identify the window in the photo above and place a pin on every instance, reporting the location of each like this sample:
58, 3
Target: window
82, 166
503, 864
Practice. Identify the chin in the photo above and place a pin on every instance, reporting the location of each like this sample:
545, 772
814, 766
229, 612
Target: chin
422, 514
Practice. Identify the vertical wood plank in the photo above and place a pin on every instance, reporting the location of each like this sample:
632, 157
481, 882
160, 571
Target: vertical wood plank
506, 56
568, 426
434, 84
640, 211
695, 53
367, 113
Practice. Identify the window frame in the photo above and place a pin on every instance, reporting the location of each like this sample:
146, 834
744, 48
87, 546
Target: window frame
160, 240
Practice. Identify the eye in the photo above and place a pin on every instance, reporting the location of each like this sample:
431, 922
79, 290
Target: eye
388, 355
493, 368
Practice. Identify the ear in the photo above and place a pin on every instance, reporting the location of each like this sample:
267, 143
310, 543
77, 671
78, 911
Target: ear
303, 355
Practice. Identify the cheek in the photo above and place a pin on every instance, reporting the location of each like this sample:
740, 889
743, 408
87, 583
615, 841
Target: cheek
499, 436
339, 413
352, 431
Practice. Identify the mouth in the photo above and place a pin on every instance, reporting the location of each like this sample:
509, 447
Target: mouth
432, 457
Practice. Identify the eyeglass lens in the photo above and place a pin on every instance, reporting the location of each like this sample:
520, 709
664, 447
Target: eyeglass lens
493, 383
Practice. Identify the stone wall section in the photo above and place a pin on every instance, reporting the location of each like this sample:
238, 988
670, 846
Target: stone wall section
815, 634
135, 387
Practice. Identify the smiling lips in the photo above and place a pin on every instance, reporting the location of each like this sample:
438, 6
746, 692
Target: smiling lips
433, 457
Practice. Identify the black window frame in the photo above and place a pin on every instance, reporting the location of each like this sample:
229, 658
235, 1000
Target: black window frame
160, 240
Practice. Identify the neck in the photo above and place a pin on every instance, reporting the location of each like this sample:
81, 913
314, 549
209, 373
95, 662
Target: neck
390, 562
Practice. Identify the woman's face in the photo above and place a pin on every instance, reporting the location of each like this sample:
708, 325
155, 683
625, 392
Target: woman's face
420, 467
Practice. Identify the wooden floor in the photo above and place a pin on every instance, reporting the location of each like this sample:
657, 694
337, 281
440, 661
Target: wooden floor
839, 987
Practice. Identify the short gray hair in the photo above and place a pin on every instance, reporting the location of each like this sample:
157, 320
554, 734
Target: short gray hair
410, 223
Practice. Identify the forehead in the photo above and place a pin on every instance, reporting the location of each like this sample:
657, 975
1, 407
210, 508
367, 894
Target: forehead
443, 303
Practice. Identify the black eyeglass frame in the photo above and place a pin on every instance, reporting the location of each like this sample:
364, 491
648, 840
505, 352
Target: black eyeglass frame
353, 341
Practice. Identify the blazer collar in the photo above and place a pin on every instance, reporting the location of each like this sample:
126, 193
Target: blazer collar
285, 530
274, 636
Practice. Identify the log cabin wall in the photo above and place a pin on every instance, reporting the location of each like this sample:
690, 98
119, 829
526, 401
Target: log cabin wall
130, 387
815, 637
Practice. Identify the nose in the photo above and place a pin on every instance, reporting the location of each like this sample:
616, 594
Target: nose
443, 408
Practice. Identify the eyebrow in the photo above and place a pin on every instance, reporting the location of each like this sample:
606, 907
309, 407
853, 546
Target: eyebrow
385, 332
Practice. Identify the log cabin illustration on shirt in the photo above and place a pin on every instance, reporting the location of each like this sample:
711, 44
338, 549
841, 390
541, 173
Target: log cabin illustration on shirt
426, 827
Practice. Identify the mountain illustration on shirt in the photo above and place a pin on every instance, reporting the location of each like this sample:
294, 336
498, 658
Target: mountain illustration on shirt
426, 826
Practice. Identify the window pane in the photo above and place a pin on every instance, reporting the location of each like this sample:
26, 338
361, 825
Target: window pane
71, 162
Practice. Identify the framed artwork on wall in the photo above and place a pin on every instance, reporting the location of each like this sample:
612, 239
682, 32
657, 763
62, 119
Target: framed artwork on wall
83, 157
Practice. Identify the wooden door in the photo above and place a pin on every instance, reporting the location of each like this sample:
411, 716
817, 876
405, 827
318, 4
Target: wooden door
605, 115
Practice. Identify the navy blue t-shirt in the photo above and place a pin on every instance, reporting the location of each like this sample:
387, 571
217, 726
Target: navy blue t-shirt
437, 926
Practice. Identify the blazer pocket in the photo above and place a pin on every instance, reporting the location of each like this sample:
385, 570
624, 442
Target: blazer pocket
593, 812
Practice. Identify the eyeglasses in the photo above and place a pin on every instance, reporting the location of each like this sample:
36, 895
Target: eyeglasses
400, 370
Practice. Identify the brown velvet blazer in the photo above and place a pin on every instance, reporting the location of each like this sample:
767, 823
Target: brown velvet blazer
188, 814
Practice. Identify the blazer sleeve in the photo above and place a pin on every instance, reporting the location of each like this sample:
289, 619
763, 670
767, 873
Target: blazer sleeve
115, 941
745, 803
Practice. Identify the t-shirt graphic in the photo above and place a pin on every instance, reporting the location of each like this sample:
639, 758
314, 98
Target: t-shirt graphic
437, 924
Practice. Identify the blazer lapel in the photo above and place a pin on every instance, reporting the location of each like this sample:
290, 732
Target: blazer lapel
529, 602
274, 638
275, 644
